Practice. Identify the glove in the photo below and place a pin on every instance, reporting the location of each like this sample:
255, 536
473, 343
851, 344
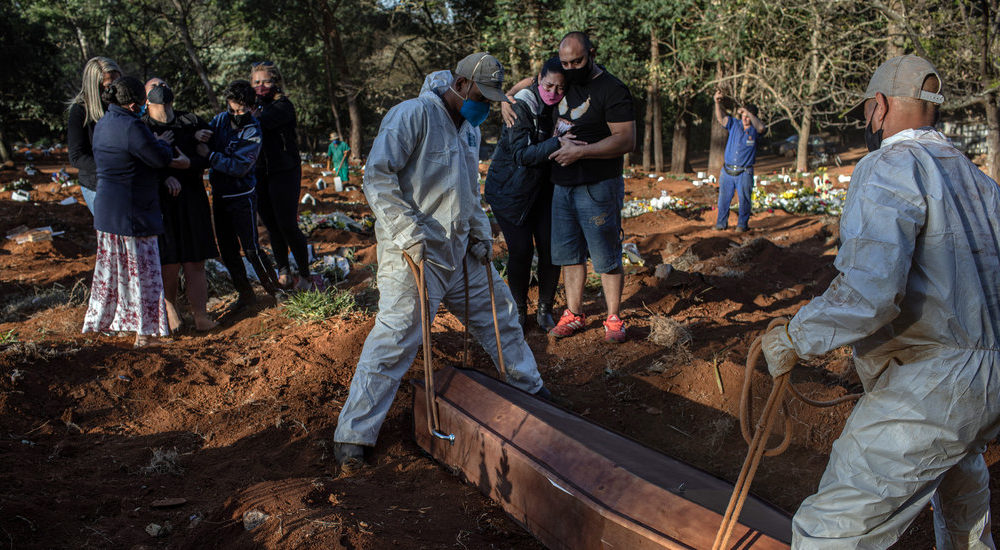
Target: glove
415, 251
482, 251
778, 351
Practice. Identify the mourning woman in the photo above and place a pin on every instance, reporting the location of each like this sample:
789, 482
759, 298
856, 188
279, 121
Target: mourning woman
127, 291
279, 175
519, 190
84, 111
188, 239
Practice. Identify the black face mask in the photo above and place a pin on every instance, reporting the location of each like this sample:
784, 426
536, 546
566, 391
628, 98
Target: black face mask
579, 76
873, 140
160, 95
241, 120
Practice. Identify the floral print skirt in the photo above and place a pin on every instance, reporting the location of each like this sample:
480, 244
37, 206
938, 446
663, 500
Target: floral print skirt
127, 292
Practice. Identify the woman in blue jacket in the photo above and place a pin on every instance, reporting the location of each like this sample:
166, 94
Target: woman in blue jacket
519, 191
127, 291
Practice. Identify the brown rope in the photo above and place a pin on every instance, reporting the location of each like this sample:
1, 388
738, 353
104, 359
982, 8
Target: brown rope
496, 326
758, 440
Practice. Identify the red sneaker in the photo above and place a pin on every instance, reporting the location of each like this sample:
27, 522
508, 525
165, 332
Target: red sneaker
614, 330
568, 325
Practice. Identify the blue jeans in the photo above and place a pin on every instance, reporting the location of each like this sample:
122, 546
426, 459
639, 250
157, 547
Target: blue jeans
88, 198
587, 221
742, 185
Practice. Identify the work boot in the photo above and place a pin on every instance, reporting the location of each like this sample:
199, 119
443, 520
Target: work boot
544, 317
543, 393
351, 457
569, 324
247, 297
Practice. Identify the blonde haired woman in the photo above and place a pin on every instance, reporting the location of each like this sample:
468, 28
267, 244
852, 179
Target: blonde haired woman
279, 175
84, 111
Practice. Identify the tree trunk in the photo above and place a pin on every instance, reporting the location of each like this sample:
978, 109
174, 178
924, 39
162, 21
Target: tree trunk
895, 32
182, 27
647, 133
993, 137
802, 155
4, 152
328, 70
654, 82
679, 145
81, 40
717, 147
658, 134
352, 92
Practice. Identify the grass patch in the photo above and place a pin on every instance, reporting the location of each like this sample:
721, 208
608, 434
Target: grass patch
22, 307
746, 252
8, 337
685, 262
314, 305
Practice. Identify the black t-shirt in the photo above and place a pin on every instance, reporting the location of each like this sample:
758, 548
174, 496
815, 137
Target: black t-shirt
585, 112
184, 125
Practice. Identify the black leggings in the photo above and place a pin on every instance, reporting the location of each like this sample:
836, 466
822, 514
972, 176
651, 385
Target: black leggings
522, 240
279, 210
236, 228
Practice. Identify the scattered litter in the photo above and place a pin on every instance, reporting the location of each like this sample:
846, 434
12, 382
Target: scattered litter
316, 165
308, 199
38, 234
652, 176
631, 253
28, 443
697, 183
711, 178
17, 231
701, 175
327, 173
320, 184
337, 262
350, 188
253, 518
68, 201
338, 184
124, 378
30, 170
20, 196
168, 502
843, 178
194, 519
663, 271
659, 178
157, 530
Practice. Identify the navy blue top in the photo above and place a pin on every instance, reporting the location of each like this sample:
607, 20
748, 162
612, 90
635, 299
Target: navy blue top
128, 159
741, 147
234, 156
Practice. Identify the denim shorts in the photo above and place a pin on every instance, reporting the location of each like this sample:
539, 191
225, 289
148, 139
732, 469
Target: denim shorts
587, 221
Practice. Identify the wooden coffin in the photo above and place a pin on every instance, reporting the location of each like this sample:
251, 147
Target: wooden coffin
576, 485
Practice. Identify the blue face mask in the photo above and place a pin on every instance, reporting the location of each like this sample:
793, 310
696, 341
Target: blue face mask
473, 111
143, 110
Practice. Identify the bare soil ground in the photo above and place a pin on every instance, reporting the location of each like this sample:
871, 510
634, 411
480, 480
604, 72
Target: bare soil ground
93, 433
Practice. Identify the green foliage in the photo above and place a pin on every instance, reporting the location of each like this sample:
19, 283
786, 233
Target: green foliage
314, 305
8, 337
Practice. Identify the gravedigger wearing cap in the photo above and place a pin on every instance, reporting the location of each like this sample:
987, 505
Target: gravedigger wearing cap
918, 297
422, 182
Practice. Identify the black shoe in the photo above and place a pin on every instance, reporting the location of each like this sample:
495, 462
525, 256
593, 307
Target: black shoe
522, 316
351, 457
544, 394
245, 300
544, 317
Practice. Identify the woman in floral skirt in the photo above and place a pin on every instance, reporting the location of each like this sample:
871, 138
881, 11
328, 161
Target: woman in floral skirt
127, 291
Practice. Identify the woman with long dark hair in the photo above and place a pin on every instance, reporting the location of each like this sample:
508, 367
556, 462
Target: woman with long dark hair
279, 175
84, 111
127, 292
519, 191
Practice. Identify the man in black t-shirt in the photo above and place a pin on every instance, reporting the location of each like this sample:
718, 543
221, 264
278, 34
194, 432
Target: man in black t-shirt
596, 122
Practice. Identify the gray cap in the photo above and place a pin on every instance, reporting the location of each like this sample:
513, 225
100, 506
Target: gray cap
484, 69
901, 76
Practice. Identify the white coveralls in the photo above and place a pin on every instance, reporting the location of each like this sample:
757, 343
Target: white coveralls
422, 182
918, 295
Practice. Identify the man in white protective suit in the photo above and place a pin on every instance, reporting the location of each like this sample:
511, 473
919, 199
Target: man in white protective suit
422, 182
918, 296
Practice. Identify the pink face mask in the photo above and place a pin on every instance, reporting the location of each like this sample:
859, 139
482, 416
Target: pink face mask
550, 98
